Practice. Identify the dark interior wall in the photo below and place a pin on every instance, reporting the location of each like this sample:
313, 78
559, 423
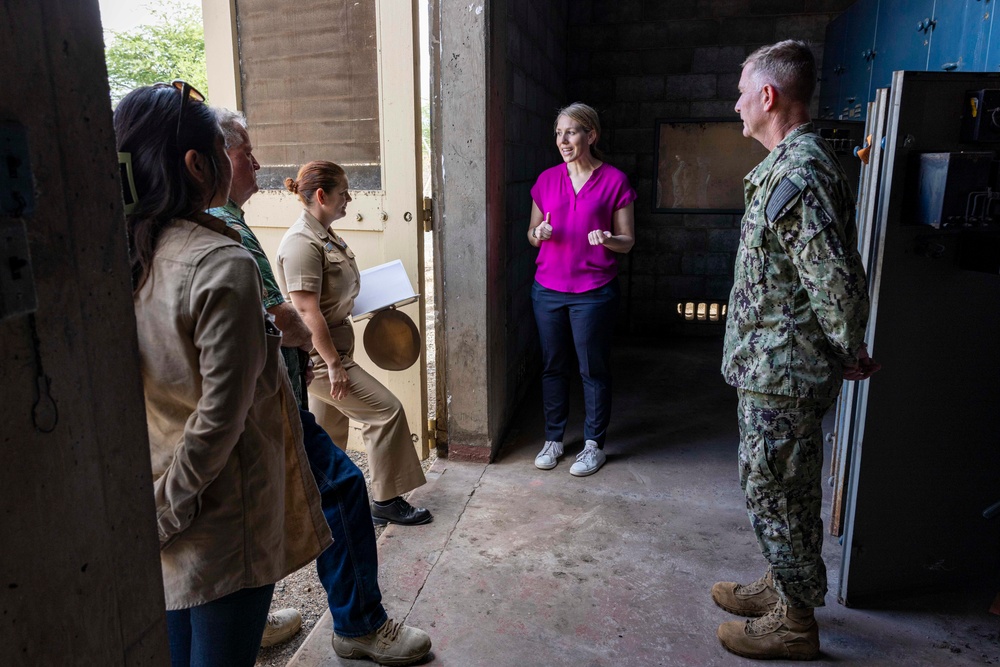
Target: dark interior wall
535, 88
516, 62
498, 76
640, 60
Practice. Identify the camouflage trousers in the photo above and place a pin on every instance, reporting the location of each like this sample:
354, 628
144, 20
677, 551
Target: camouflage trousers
781, 461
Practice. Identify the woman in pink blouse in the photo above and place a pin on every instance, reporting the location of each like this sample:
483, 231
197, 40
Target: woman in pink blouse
581, 220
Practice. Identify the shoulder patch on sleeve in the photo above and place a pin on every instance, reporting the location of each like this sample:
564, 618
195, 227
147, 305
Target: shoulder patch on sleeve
782, 196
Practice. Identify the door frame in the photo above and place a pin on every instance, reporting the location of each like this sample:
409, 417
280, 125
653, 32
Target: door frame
381, 225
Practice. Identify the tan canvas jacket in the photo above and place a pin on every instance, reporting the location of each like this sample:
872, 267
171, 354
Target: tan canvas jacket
236, 504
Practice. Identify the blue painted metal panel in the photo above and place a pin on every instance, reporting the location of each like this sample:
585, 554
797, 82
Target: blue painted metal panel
991, 63
960, 36
902, 39
833, 68
859, 49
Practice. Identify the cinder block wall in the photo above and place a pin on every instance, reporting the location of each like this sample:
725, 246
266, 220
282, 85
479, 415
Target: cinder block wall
536, 88
640, 60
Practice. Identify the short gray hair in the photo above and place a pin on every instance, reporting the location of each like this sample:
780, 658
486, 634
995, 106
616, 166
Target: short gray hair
231, 123
789, 66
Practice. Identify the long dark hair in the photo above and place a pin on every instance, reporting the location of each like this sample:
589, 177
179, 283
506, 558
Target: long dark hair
146, 127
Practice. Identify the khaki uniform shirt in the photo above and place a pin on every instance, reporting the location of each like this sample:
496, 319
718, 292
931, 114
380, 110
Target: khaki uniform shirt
799, 305
236, 504
312, 259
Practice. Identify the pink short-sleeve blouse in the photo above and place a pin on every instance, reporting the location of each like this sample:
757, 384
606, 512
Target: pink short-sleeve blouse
567, 262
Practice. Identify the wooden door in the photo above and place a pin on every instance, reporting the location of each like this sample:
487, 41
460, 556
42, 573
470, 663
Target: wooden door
333, 80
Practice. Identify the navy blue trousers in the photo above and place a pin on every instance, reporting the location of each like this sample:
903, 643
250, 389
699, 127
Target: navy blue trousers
221, 633
584, 322
348, 569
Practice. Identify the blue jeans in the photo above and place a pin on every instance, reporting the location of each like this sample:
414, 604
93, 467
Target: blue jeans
586, 322
348, 569
221, 633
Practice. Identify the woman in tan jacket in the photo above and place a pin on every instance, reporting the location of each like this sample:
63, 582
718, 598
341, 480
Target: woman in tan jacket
236, 506
316, 269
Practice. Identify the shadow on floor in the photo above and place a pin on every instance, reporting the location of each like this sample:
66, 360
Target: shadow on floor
523, 567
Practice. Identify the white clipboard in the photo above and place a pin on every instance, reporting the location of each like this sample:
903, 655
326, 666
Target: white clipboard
383, 286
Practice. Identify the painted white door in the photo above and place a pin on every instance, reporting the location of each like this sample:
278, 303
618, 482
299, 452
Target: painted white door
333, 80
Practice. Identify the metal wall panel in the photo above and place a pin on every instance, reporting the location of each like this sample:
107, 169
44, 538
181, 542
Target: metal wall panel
930, 458
961, 35
901, 40
859, 47
833, 68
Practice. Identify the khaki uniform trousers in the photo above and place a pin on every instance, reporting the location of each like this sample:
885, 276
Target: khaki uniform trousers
392, 460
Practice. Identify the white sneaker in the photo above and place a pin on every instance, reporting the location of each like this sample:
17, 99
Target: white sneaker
549, 456
281, 626
588, 461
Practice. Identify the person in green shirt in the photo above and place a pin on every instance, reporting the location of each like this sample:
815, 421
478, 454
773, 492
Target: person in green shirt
348, 569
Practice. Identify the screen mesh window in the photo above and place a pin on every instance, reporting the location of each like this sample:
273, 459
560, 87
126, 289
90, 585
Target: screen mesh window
310, 87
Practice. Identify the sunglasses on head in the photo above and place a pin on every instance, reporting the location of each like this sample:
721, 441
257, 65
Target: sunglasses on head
187, 92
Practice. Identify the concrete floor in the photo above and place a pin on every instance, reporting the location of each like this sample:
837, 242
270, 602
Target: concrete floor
523, 567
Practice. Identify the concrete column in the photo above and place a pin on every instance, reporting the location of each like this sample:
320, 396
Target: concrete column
466, 107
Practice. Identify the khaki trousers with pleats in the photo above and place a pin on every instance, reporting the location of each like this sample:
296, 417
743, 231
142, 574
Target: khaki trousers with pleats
392, 460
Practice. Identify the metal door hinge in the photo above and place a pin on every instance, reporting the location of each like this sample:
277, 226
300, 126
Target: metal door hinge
428, 214
435, 435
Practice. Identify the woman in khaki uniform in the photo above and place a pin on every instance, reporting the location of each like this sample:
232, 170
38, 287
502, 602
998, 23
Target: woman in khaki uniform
317, 271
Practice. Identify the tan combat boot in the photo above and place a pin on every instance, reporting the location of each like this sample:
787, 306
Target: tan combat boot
392, 644
755, 599
784, 634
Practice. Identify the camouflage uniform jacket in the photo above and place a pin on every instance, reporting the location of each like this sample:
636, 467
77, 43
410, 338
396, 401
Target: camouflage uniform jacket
799, 305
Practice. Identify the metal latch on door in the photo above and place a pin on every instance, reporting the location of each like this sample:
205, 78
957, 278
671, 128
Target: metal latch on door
428, 214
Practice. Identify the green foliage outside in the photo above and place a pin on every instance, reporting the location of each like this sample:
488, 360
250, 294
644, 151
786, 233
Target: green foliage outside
172, 47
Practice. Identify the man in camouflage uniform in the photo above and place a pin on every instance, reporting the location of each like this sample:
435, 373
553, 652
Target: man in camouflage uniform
795, 329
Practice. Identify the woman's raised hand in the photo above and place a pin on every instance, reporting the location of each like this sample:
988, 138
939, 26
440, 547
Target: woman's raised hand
544, 230
598, 237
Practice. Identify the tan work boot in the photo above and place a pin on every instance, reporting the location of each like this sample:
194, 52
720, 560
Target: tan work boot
392, 644
281, 626
785, 634
755, 599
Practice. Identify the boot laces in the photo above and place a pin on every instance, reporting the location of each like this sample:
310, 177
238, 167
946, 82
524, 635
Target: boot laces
755, 587
390, 630
767, 623
549, 449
